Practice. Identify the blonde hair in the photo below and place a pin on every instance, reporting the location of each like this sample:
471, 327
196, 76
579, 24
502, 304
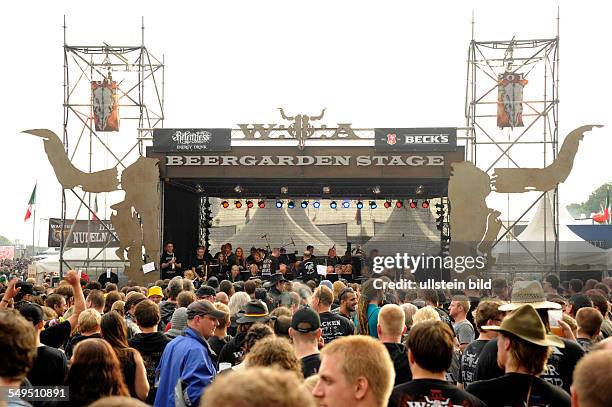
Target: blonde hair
89, 320
391, 320
222, 307
427, 313
338, 287
274, 352
364, 356
591, 376
119, 306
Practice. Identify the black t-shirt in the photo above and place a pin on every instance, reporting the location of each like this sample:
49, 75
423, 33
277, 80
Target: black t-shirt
167, 271
217, 344
431, 392
269, 267
512, 389
50, 367
399, 356
310, 364
232, 351
334, 326
151, 346
103, 279
200, 264
558, 371
57, 335
308, 270
469, 360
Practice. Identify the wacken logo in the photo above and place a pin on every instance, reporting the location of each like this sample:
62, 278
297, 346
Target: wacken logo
301, 129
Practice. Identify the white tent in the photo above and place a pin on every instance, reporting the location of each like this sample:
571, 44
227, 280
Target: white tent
273, 225
300, 217
539, 240
76, 257
407, 230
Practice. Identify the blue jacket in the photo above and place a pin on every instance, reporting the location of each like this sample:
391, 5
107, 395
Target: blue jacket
186, 358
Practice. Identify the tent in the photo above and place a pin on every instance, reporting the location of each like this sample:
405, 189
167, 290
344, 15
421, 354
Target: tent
76, 257
300, 217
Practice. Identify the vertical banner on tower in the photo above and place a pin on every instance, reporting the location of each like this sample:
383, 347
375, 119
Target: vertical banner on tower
510, 99
105, 105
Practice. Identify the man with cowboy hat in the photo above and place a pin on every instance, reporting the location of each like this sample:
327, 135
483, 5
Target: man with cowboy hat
277, 284
560, 366
523, 346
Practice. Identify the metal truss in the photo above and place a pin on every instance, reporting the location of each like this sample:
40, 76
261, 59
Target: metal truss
140, 78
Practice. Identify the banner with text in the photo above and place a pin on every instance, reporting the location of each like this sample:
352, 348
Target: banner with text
84, 231
417, 139
191, 140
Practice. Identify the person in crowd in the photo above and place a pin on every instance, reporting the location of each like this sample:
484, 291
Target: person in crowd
50, 366
589, 322
95, 300
278, 282
110, 299
464, 331
368, 307
255, 333
427, 313
114, 331
430, 352
236, 304
432, 298
305, 333
108, 277
178, 323
603, 306
355, 371
207, 293
391, 327
487, 313
88, 327
95, 372
551, 284
575, 286
222, 298
576, 302
175, 287
559, 366
220, 338
226, 287
155, 294
592, 378
132, 299
409, 311
332, 257
187, 297
251, 387
238, 259
57, 303
170, 266
149, 342
308, 268
118, 401
347, 303
186, 366
499, 289
276, 352
523, 348
333, 325
223, 266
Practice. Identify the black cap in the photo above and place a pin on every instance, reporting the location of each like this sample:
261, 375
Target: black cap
206, 291
305, 320
278, 277
26, 288
580, 301
213, 282
254, 311
32, 312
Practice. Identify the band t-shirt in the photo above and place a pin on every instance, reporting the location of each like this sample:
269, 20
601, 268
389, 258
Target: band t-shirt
334, 326
513, 389
269, 266
469, 361
558, 370
311, 364
167, 272
430, 393
308, 270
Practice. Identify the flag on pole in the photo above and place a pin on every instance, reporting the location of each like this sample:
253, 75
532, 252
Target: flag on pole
94, 215
604, 217
31, 203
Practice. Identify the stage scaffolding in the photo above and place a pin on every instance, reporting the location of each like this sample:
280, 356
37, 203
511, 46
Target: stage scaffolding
488, 146
140, 88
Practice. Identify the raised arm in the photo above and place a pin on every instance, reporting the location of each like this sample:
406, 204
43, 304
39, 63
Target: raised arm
79, 300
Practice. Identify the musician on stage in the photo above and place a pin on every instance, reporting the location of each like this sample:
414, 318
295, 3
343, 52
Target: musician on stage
169, 264
200, 262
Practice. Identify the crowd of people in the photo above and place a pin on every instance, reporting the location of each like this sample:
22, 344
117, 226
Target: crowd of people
286, 337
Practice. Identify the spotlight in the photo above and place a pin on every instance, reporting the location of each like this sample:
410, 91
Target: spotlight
413, 203
290, 204
376, 190
249, 204
316, 204
284, 190
399, 204
261, 204
359, 205
279, 204
304, 204
238, 189
238, 204
225, 204
387, 204
326, 189
425, 204
346, 204
333, 205
420, 190
372, 204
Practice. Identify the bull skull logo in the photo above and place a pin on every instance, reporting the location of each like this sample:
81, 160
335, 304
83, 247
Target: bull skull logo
301, 128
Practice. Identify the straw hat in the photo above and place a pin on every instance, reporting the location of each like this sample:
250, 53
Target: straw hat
527, 325
528, 292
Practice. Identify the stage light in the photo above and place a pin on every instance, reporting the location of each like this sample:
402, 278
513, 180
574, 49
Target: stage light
316, 204
238, 204
326, 189
249, 204
420, 190
372, 204
376, 190
261, 204
238, 189
304, 204
346, 204
333, 205
413, 203
225, 204
399, 204
279, 204
290, 204
425, 204
284, 190
359, 205
387, 204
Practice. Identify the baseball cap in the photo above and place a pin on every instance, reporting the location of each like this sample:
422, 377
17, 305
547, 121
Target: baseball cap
213, 282
305, 320
206, 291
32, 312
204, 307
26, 288
155, 290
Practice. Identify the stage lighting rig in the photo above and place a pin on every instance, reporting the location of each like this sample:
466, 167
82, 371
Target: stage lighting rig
359, 205
304, 204
238, 204
333, 204
413, 203
316, 204
290, 204
279, 204
261, 204
225, 204
399, 204
372, 204
425, 204
346, 204
387, 204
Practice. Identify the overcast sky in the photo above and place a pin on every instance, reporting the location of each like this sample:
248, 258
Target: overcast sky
374, 64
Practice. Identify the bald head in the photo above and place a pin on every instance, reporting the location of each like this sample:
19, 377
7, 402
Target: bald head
222, 297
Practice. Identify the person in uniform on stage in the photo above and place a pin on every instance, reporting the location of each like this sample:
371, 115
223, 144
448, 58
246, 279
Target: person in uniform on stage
169, 264
200, 261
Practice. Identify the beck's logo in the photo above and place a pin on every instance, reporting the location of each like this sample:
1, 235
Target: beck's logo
391, 139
